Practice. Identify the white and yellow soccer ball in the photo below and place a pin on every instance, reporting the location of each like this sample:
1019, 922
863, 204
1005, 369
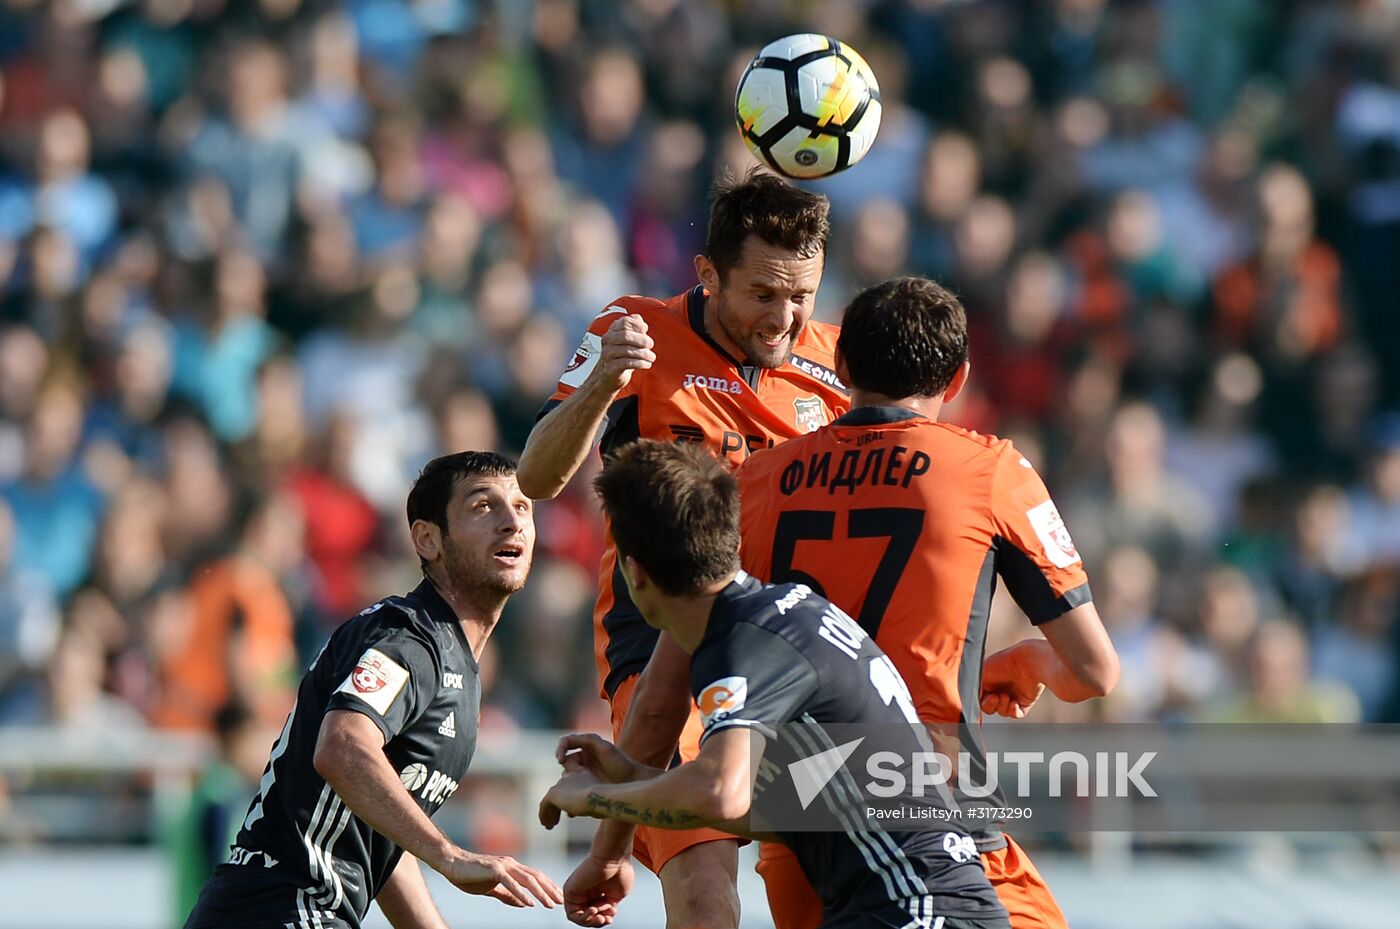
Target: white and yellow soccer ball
808, 106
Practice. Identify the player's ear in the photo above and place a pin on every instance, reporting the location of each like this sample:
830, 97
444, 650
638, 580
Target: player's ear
707, 273
842, 371
427, 539
636, 576
959, 381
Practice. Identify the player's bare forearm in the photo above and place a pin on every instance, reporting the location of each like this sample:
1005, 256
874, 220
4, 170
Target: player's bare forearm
1037, 660
688, 797
405, 899
659, 708
1077, 657
714, 790
612, 840
350, 756
560, 442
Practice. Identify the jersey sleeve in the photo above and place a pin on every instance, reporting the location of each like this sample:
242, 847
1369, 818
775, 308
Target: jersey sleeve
585, 359
752, 678
391, 677
1036, 557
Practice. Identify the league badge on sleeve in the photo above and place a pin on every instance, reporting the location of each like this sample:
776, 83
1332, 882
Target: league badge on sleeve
583, 361
1053, 534
377, 680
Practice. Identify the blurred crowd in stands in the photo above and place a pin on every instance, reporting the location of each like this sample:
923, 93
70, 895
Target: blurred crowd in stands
260, 260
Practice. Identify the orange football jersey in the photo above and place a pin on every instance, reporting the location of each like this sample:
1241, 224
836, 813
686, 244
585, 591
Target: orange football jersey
905, 523
694, 392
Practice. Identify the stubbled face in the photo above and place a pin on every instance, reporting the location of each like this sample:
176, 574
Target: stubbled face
490, 538
759, 309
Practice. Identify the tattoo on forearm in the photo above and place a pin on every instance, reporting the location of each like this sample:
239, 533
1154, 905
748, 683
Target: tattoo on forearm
620, 809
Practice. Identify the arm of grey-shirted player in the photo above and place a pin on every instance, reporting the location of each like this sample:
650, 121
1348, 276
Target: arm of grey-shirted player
561, 441
758, 681
350, 756
714, 790
405, 900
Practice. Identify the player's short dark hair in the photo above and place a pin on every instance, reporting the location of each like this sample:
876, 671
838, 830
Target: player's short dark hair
674, 508
767, 206
905, 337
432, 490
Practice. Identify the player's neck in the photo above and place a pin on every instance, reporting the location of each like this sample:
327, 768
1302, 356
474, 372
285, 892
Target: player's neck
717, 333
927, 407
686, 619
477, 612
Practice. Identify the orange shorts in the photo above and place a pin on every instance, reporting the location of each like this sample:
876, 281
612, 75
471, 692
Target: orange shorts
1019, 886
1021, 889
655, 847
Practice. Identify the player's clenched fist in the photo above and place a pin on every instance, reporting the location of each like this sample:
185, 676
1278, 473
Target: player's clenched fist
626, 348
1009, 687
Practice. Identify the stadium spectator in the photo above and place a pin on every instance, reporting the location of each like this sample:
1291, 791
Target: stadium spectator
55, 503
29, 615
1278, 689
239, 642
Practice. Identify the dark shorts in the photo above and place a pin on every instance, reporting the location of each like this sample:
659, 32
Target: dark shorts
912, 914
236, 898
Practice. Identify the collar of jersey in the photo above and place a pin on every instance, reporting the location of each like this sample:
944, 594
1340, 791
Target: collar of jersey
427, 596
695, 313
877, 416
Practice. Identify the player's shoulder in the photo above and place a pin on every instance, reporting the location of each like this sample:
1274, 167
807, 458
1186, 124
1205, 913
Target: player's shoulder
977, 444
785, 610
648, 308
820, 338
391, 617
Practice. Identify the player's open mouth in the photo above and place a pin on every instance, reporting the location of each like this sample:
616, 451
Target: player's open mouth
510, 554
773, 341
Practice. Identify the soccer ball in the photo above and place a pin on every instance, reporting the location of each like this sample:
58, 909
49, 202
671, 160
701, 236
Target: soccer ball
808, 106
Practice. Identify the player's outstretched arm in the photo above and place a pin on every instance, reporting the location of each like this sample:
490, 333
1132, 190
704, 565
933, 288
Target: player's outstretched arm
1076, 661
713, 790
562, 440
405, 899
350, 756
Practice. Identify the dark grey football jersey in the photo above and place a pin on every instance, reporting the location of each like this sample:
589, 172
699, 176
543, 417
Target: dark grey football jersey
302, 859
788, 664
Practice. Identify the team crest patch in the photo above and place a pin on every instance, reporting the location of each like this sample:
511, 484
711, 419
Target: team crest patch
376, 679
721, 699
811, 415
1053, 534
